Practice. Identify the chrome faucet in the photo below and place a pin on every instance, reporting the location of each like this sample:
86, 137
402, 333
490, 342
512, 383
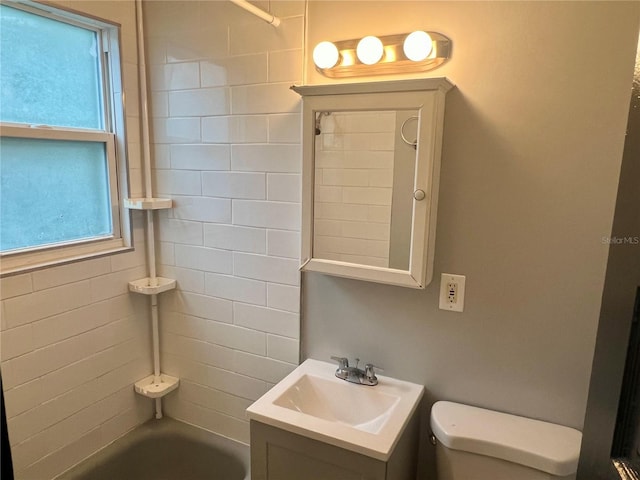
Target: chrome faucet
355, 374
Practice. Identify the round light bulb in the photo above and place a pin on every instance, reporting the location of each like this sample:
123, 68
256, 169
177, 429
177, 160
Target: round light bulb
325, 55
417, 46
369, 50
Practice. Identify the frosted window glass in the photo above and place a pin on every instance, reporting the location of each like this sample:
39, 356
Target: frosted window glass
50, 72
52, 191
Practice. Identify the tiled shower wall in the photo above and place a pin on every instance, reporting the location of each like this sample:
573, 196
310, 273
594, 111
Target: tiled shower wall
226, 138
73, 340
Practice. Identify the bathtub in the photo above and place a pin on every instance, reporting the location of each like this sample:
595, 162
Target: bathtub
166, 450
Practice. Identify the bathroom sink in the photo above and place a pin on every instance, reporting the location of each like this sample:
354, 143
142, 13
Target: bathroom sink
312, 402
365, 409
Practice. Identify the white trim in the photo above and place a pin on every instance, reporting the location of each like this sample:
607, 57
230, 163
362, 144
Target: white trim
59, 255
394, 86
113, 186
119, 128
61, 14
363, 272
43, 132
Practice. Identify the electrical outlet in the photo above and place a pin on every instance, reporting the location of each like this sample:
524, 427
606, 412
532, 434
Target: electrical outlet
452, 292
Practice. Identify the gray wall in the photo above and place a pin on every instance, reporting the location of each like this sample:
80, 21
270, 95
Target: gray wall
532, 150
621, 284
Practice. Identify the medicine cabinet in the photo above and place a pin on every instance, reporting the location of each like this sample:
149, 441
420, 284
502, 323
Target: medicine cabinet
371, 166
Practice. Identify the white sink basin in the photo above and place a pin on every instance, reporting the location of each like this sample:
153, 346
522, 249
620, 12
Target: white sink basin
312, 402
364, 408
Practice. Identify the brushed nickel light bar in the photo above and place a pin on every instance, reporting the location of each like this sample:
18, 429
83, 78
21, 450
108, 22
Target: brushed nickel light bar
418, 51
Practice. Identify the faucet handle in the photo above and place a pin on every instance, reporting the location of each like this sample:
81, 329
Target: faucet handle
343, 363
369, 371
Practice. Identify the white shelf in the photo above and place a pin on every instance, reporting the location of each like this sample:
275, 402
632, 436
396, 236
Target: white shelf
148, 203
145, 287
148, 388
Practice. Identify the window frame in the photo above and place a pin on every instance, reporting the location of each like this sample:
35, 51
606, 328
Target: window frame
112, 136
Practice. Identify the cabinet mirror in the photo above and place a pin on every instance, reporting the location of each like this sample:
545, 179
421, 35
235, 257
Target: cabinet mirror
370, 179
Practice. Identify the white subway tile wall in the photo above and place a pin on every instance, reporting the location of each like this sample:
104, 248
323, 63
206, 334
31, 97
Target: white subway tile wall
73, 339
353, 187
226, 132
73, 342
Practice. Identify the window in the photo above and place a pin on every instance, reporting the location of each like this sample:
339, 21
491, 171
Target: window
61, 137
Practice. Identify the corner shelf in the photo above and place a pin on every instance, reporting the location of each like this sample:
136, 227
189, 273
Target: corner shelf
144, 286
148, 388
148, 203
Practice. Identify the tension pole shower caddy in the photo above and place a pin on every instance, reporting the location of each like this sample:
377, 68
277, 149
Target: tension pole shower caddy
158, 384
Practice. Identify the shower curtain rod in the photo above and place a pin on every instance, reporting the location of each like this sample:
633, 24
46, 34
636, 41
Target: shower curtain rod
258, 12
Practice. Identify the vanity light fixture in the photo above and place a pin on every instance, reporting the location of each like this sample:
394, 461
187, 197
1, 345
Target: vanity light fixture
325, 55
369, 50
417, 46
417, 51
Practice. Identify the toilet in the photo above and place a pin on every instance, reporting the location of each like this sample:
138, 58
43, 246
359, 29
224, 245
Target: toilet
477, 444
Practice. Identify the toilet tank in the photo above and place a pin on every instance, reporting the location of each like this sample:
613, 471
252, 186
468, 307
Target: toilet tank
479, 444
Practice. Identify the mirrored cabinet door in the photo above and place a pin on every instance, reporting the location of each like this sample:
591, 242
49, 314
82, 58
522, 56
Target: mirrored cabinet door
363, 187
370, 179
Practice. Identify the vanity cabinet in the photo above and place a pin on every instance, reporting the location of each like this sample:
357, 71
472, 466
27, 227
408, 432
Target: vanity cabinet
277, 454
314, 426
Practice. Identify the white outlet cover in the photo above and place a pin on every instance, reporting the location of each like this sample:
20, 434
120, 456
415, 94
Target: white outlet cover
445, 303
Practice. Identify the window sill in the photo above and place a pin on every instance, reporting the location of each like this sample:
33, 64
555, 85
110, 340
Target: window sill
32, 261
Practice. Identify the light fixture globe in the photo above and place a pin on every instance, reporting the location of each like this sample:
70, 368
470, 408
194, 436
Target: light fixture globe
417, 46
369, 50
325, 55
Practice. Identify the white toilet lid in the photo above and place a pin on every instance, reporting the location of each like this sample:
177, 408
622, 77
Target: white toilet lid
544, 446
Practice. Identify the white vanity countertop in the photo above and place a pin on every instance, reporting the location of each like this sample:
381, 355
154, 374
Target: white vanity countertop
312, 402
